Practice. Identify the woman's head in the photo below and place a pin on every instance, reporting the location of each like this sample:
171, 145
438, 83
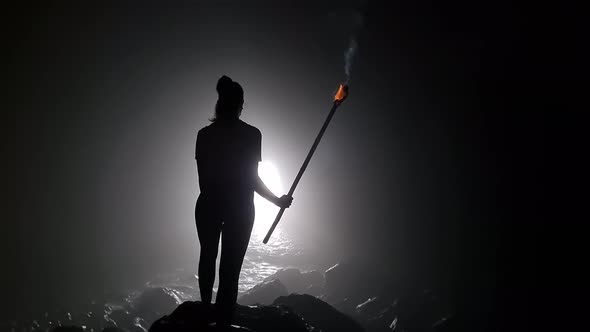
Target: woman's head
231, 100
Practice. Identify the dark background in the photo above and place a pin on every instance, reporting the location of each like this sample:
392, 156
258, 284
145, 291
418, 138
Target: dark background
429, 172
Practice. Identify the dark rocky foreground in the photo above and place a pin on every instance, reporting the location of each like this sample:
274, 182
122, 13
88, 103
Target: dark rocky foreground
195, 316
340, 300
293, 313
344, 298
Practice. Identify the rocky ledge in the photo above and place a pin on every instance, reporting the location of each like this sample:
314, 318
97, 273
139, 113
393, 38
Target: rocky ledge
292, 313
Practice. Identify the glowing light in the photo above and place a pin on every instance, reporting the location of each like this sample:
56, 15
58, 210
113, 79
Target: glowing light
341, 94
265, 210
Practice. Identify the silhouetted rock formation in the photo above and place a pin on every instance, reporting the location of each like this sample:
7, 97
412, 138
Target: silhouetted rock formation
319, 313
155, 302
352, 289
68, 329
377, 314
348, 299
302, 283
347, 282
264, 293
196, 316
314, 282
113, 329
421, 311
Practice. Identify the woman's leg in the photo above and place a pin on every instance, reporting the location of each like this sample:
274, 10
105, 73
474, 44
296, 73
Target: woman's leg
208, 230
234, 242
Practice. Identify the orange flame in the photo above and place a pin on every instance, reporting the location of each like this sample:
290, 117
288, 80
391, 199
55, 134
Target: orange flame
341, 94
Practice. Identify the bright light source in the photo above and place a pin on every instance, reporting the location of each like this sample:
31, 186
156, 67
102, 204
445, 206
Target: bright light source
265, 210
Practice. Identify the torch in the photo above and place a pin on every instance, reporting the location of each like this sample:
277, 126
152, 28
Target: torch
341, 94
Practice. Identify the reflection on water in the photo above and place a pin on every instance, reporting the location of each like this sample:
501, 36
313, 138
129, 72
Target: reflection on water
263, 260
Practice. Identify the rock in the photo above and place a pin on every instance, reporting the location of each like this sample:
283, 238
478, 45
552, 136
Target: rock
421, 311
314, 290
272, 319
291, 278
139, 325
368, 307
297, 282
348, 285
113, 329
125, 320
314, 278
91, 320
137, 328
377, 314
319, 313
122, 317
414, 311
263, 293
154, 302
192, 313
63, 318
34, 326
445, 324
68, 329
107, 322
346, 305
196, 316
338, 282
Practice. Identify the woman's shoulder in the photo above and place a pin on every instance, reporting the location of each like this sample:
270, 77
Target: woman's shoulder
250, 128
240, 127
206, 132
203, 130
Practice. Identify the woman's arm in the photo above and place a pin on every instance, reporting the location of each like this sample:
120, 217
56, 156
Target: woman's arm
262, 190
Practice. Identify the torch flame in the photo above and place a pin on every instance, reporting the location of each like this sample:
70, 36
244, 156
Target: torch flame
341, 94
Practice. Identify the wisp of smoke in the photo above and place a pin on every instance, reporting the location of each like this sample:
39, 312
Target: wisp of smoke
349, 57
350, 21
357, 24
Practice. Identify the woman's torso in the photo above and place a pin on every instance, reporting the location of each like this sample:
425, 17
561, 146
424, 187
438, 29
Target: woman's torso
227, 156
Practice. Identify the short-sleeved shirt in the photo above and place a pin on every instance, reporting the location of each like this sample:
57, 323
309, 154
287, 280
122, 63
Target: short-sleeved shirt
227, 157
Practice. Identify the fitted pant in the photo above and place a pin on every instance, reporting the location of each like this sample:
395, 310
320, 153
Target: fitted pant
232, 220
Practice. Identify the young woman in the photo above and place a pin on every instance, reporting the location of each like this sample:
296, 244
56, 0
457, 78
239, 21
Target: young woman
227, 155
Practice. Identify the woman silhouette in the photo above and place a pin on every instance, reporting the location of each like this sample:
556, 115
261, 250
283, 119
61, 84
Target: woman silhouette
227, 155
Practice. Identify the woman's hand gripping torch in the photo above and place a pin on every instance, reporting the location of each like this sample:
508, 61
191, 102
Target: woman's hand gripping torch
341, 94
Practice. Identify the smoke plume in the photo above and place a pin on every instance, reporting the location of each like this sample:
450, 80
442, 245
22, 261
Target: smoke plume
349, 57
356, 21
